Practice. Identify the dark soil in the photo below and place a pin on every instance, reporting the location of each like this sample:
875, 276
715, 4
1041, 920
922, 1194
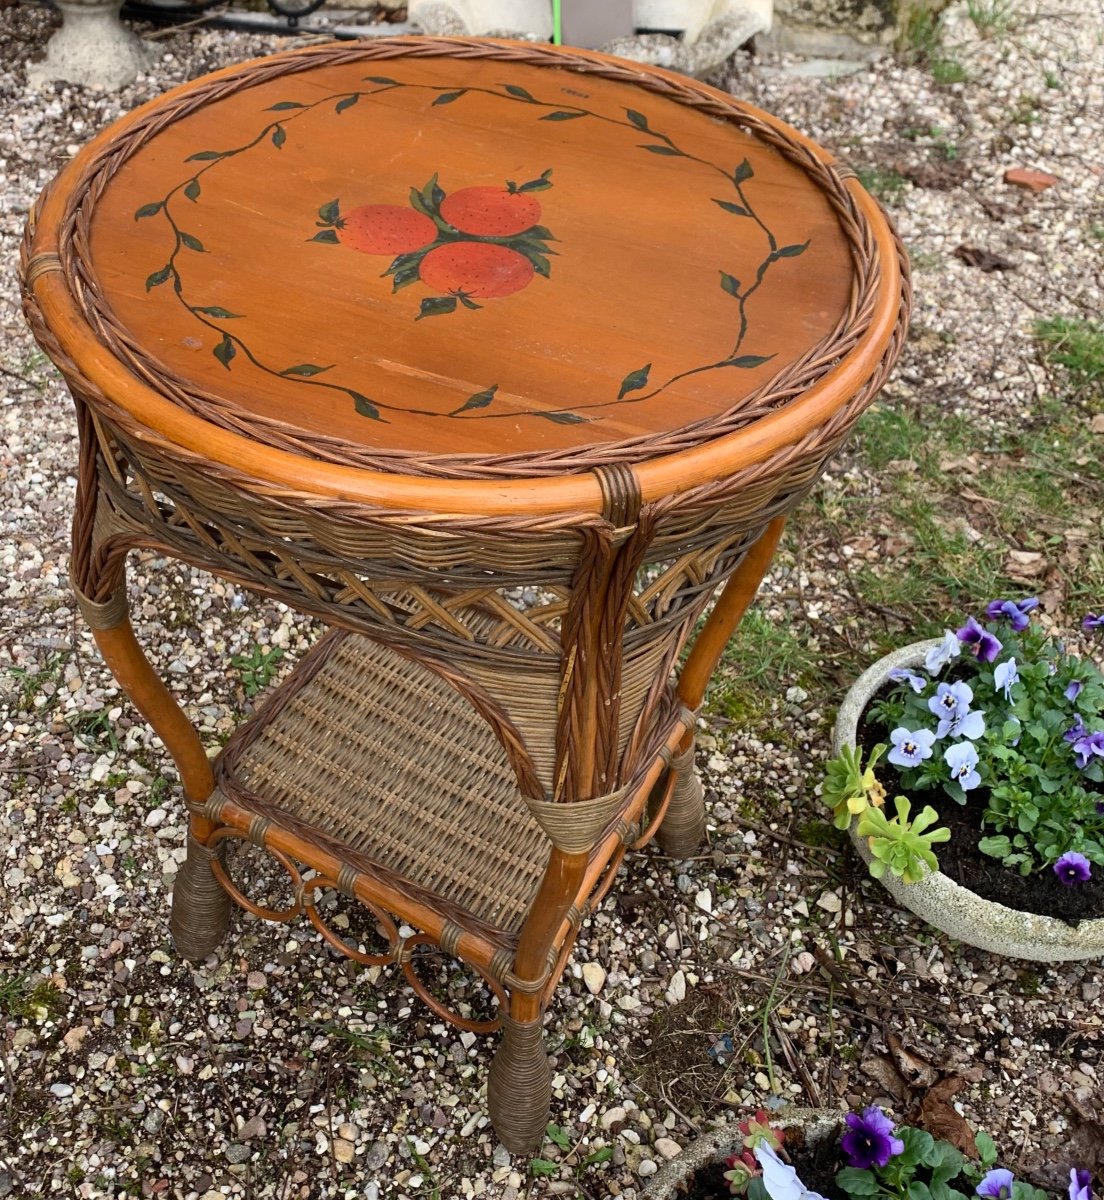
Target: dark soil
962, 861
816, 1168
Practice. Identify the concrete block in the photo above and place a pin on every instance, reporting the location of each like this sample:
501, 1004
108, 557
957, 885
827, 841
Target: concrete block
92, 48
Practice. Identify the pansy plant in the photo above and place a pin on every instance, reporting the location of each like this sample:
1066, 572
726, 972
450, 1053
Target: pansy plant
1000, 710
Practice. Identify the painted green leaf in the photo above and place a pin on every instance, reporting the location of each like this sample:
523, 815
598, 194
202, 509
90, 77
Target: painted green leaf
670, 151
730, 284
325, 235
365, 407
192, 242
479, 400
382, 79
563, 418
329, 212
205, 156
428, 197
563, 115
434, 306
743, 172
213, 310
467, 301
284, 105
149, 210
540, 231
638, 119
748, 360
158, 277
405, 276
192, 190
737, 210
346, 102
225, 351
540, 264
448, 97
634, 381
279, 136
519, 92
536, 185
306, 369
790, 251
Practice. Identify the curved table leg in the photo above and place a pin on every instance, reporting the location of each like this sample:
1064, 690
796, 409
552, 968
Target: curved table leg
683, 828
201, 909
519, 1087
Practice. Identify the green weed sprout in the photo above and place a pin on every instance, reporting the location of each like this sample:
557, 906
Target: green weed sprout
900, 845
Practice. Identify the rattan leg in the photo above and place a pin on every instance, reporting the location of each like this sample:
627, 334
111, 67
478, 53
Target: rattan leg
200, 905
683, 828
519, 1090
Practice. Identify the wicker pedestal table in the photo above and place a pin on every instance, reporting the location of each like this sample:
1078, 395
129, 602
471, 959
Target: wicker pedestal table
501, 360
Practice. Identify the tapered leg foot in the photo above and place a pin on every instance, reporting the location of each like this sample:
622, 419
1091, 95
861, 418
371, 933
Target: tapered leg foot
519, 1090
200, 906
683, 828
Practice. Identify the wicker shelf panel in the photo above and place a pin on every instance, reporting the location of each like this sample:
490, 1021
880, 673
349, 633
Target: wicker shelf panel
381, 754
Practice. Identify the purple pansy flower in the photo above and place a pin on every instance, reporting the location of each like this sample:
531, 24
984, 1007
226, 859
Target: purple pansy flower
917, 682
1080, 1184
980, 641
869, 1140
962, 759
939, 656
1088, 746
1005, 675
910, 747
997, 1184
1074, 690
1076, 731
1073, 868
1015, 611
1092, 621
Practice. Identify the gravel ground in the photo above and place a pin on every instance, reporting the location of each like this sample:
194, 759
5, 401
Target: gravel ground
766, 971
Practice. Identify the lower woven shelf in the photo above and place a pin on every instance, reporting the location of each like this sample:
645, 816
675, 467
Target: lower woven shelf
379, 754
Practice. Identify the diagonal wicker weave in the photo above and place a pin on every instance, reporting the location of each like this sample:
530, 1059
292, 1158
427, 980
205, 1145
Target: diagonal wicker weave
493, 719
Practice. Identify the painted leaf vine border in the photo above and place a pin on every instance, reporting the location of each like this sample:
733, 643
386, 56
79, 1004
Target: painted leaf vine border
633, 389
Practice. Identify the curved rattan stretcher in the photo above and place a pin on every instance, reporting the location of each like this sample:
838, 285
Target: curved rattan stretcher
458, 761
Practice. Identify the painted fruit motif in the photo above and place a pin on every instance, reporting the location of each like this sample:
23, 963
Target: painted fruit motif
478, 243
386, 229
481, 270
491, 211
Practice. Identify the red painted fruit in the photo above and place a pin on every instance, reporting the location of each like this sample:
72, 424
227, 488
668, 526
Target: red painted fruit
481, 270
490, 211
386, 229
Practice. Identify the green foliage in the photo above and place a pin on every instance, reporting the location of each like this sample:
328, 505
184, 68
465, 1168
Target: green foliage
258, 667
900, 845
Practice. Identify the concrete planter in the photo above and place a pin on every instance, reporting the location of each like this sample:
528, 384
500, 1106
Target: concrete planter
711, 30
939, 900
92, 48
817, 1125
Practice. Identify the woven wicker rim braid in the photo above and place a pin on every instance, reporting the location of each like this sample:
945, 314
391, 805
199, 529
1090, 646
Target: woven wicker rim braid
868, 323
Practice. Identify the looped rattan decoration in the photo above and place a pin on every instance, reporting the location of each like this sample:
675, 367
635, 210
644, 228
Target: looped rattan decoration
406, 957
790, 382
218, 869
388, 931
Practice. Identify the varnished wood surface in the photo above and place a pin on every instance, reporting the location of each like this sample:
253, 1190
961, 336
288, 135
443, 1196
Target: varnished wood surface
679, 282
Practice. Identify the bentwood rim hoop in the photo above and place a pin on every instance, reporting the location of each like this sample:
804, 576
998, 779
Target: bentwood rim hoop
829, 377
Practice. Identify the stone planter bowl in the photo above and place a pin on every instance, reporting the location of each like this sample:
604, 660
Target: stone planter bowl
939, 900
818, 1125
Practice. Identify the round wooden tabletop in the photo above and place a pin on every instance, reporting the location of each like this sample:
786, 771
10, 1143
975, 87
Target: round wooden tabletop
473, 260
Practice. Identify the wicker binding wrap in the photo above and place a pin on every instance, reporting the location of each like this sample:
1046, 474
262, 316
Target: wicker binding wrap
493, 718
